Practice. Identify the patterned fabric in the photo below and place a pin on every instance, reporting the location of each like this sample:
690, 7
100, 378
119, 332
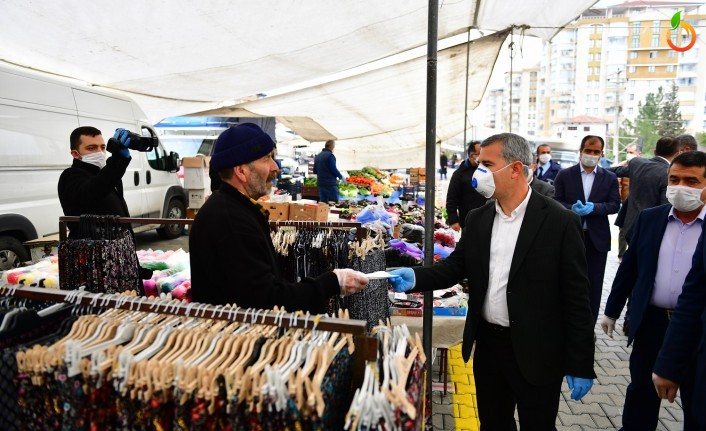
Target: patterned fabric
259, 206
372, 304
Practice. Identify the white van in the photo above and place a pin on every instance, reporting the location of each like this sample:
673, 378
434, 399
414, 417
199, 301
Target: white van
37, 114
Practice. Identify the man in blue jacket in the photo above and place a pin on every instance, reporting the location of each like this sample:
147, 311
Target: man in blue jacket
327, 173
546, 167
653, 272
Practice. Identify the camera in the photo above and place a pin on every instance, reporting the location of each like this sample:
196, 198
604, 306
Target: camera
137, 143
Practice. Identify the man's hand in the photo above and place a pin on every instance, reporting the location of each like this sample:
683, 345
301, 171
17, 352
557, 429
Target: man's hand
579, 386
456, 227
123, 137
588, 208
666, 389
404, 279
350, 281
608, 325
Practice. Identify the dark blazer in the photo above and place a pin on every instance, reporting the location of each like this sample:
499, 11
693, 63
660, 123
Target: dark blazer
461, 196
636, 275
604, 195
543, 188
551, 325
685, 334
86, 189
550, 174
648, 186
233, 260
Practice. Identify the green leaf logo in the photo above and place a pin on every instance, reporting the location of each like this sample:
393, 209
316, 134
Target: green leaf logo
676, 20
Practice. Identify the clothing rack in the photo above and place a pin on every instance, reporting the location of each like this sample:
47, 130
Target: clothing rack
63, 220
360, 232
365, 346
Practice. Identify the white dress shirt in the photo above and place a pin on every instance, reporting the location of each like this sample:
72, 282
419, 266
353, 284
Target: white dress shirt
587, 181
503, 239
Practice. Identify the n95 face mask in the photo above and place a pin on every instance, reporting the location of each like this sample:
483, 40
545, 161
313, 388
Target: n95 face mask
483, 180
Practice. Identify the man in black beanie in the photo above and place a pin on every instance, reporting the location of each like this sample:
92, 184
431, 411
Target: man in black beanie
233, 260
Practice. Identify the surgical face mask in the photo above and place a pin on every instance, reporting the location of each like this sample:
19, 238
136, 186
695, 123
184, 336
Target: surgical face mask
630, 156
544, 158
589, 161
98, 158
684, 198
483, 180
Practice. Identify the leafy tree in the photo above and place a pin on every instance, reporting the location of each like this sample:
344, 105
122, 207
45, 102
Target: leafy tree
701, 139
645, 124
670, 122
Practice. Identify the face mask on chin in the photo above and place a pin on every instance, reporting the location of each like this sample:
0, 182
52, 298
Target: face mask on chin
684, 198
99, 158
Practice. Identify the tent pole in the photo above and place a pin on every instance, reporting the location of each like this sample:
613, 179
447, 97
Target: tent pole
512, 47
429, 193
465, 104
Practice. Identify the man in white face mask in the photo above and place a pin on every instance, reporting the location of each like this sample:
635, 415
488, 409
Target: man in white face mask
653, 271
591, 192
530, 327
93, 184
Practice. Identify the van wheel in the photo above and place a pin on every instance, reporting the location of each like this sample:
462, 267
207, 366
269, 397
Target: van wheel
12, 253
174, 210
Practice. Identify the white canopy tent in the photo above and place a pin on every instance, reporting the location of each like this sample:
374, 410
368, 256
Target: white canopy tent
177, 57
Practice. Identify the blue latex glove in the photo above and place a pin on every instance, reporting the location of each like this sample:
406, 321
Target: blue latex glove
588, 208
123, 137
579, 386
404, 279
578, 207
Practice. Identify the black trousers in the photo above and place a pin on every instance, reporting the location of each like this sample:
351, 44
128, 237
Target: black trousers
500, 386
642, 404
596, 270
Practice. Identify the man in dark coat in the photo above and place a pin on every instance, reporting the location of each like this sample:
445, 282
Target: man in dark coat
648, 180
327, 174
546, 169
232, 256
529, 314
93, 184
461, 196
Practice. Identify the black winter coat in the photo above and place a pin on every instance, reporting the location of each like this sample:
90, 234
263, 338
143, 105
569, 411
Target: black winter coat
233, 260
461, 196
86, 189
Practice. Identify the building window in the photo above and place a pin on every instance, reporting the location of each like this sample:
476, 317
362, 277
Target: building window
672, 54
635, 42
630, 111
586, 128
598, 56
655, 26
633, 55
595, 111
653, 54
670, 68
631, 69
636, 27
655, 40
588, 98
673, 36
572, 128
631, 96
650, 69
595, 98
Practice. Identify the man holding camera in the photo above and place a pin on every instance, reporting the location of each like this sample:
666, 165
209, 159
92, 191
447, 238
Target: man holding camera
93, 184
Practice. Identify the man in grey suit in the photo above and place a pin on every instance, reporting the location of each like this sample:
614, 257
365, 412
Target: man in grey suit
648, 180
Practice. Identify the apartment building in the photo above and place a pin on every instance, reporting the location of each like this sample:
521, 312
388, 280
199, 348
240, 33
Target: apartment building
606, 62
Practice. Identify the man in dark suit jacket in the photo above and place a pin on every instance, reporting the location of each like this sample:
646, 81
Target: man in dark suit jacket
591, 192
546, 169
652, 273
684, 339
541, 187
529, 327
461, 196
648, 180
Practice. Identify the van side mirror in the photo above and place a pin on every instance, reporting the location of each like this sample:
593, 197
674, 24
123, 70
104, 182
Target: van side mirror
173, 162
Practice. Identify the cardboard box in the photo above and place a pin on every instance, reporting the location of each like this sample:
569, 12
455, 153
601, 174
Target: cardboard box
196, 172
197, 197
278, 211
312, 192
310, 212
